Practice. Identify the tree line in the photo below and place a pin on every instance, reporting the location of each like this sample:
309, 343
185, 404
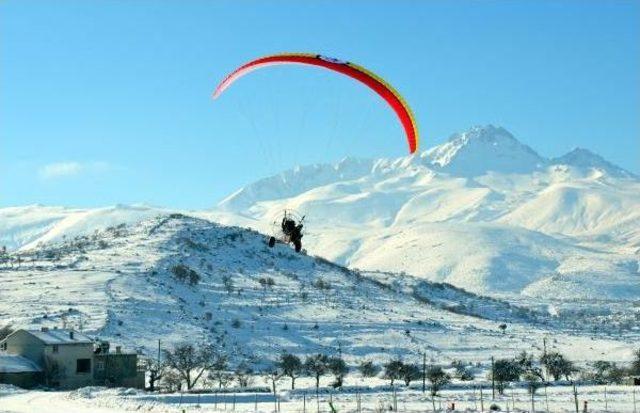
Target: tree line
186, 365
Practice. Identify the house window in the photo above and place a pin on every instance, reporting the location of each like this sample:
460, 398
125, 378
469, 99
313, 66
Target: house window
55, 348
83, 366
99, 365
3, 346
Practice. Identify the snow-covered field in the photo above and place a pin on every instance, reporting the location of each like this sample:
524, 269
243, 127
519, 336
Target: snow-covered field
351, 399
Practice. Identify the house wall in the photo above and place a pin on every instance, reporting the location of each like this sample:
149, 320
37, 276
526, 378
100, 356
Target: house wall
24, 344
117, 369
121, 368
66, 358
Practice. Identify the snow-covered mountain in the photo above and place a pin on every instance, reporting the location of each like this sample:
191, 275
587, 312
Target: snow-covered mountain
482, 211
180, 278
483, 149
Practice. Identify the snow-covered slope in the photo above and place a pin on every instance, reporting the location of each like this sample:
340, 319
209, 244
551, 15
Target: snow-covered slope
130, 284
483, 149
25, 227
481, 211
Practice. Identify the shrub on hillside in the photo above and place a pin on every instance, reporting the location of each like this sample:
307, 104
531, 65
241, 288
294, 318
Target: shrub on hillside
185, 274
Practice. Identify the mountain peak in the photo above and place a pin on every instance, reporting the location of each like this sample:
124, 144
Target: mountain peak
482, 149
584, 158
487, 133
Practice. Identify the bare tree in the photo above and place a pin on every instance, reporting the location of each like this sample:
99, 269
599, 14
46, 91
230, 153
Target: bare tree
156, 369
437, 378
291, 366
172, 380
409, 373
504, 371
339, 369
317, 365
368, 369
273, 375
533, 379
393, 370
219, 373
635, 364
557, 365
191, 362
243, 374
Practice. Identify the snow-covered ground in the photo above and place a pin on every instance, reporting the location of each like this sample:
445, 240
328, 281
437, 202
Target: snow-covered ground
351, 399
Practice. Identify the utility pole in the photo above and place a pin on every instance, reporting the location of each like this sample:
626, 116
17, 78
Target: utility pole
533, 404
493, 380
424, 372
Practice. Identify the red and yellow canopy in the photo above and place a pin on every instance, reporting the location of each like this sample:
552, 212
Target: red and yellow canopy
376, 83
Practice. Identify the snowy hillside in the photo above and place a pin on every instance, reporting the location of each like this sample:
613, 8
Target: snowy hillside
482, 211
25, 227
175, 277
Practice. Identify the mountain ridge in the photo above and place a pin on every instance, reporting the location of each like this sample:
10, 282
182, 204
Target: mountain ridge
470, 154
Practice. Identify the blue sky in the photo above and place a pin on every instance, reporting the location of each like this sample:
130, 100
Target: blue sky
105, 102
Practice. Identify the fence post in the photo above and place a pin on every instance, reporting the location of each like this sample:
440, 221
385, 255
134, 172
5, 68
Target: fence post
424, 372
475, 399
606, 403
493, 380
395, 400
546, 398
533, 405
575, 395
304, 403
481, 400
634, 400
255, 402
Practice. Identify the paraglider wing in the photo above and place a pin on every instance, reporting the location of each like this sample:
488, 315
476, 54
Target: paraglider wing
377, 84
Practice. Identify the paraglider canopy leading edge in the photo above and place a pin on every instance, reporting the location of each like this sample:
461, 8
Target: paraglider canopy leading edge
377, 84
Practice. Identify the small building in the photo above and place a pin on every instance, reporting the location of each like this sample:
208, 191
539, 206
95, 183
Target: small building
19, 371
632, 381
65, 359
64, 356
117, 369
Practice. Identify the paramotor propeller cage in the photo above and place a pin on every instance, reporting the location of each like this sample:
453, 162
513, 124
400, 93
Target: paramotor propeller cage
287, 227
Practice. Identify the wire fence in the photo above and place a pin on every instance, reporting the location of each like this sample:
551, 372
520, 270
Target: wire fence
548, 400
